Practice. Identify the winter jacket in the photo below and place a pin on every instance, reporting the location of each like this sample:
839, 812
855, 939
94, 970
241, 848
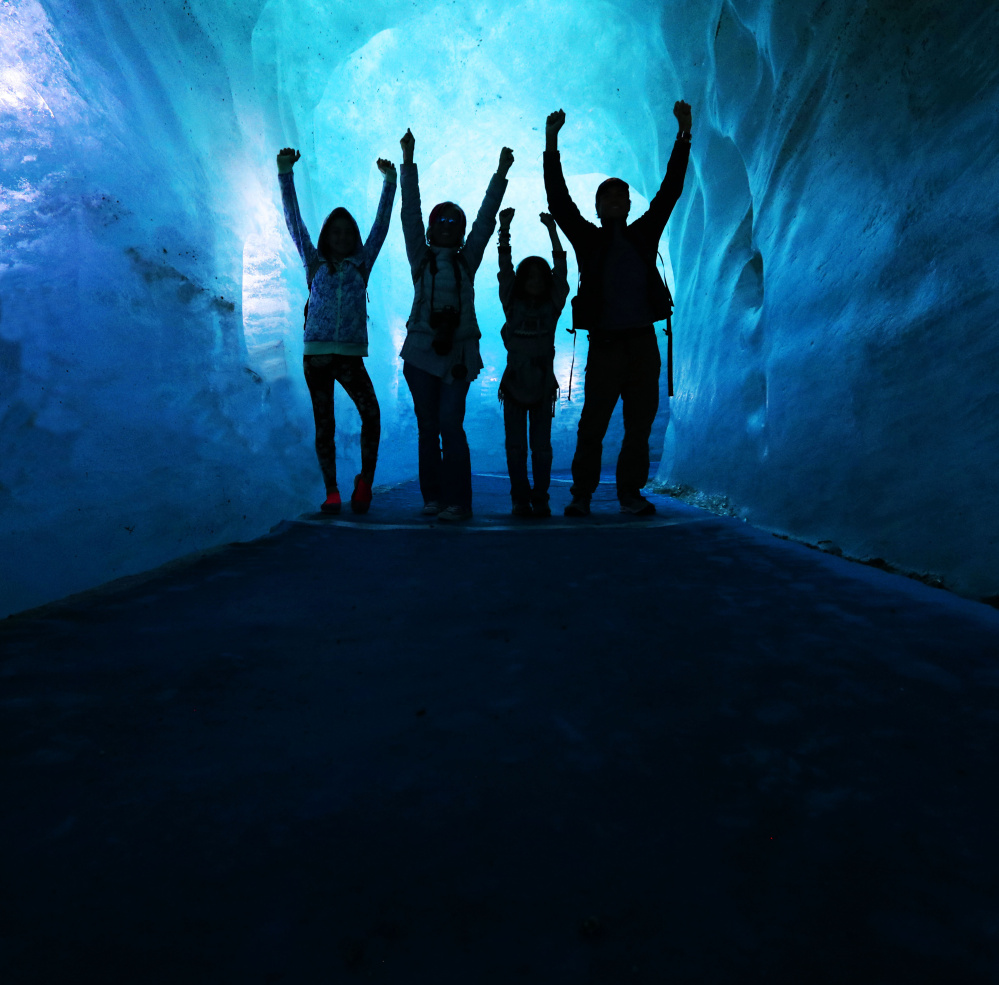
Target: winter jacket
417, 349
337, 321
529, 332
592, 243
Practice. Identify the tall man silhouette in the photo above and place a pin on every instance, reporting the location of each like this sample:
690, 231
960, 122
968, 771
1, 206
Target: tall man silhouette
620, 295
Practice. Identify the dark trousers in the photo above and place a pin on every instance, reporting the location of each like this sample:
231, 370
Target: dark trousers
445, 465
515, 422
321, 372
626, 366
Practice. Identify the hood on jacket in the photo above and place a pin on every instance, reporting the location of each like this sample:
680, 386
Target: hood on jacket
339, 212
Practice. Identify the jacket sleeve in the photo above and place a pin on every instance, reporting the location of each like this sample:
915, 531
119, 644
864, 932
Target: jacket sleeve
379, 228
485, 222
293, 220
561, 206
560, 280
412, 214
661, 206
506, 275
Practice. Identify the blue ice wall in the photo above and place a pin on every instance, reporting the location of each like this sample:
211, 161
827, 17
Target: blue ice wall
835, 304
837, 351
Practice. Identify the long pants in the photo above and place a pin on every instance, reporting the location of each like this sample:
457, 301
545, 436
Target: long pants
445, 464
515, 422
625, 366
321, 372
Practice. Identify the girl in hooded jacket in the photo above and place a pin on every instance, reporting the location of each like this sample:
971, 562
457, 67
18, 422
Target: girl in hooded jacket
441, 351
533, 297
336, 324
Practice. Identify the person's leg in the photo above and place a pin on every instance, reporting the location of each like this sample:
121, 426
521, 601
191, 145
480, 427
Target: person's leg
319, 380
353, 377
541, 452
426, 391
601, 389
515, 426
456, 474
639, 404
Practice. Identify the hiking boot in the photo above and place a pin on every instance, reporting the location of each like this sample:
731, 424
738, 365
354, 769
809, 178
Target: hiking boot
360, 498
452, 513
636, 505
578, 507
541, 509
332, 504
522, 509
431, 508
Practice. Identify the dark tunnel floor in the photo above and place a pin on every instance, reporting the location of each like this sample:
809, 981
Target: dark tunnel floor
380, 749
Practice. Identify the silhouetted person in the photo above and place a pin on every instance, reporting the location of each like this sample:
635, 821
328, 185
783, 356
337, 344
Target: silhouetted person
620, 295
441, 351
533, 298
336, 324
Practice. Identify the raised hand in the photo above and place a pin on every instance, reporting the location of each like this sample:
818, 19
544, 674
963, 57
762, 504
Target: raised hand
505, 160
555, 121
681, 111
286, 159
386, 167
408, 142
547, 221
505, 218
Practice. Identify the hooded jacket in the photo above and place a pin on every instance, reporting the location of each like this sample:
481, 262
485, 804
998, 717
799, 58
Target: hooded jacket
337, 321
593, 243
417, 349
529, 331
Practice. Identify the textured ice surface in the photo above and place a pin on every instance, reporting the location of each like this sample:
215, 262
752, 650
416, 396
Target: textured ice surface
836, 302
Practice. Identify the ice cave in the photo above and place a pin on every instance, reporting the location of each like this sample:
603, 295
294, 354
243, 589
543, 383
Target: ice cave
832, 257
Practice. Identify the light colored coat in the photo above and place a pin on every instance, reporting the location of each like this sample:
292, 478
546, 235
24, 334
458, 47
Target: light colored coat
417, 349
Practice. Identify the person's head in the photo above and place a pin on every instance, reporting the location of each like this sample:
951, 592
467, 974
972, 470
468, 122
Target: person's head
533, 279
446, 226
339, 237
613, 200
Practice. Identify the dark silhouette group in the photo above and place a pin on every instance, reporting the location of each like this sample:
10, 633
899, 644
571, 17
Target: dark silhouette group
621, 294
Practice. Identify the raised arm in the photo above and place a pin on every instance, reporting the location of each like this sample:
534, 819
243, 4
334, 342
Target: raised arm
485, 220
379, 228
560, 283
413, 230
561, 205
286, 159
506, 275
661, 206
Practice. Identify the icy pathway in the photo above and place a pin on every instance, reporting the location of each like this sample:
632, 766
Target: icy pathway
380, 749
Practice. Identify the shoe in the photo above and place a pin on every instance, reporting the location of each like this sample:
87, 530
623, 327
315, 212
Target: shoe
636, 505
578, 507
332, 504
431, 508
360, 498
522, 509
541, 509
451, 513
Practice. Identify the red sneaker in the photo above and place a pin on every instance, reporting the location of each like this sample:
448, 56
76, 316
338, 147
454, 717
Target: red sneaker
332, 504
360, 498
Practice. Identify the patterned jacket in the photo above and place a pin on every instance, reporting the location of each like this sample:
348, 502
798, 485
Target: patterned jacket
338, 313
